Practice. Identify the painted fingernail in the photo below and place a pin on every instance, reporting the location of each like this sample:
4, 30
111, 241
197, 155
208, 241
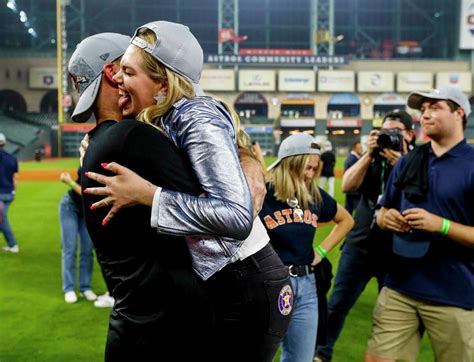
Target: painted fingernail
86, 173
86, 191
92, 207
104, 222
104, 165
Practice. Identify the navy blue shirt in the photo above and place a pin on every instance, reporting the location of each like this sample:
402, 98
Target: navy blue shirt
8, 168
446, 273
292, 236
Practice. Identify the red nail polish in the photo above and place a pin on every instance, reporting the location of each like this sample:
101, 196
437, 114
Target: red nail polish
104, 222
104, 165
92, 207
86, 173
86, 191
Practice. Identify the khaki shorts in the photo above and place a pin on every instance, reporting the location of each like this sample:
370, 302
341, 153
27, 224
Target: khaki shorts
398, 322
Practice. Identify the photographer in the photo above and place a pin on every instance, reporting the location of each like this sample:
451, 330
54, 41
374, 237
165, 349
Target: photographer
367, 248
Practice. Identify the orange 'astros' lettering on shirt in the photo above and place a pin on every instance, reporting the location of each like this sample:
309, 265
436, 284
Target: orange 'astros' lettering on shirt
287, 216
287, 213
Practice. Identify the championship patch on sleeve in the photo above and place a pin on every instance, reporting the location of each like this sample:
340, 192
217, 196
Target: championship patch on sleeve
285, 300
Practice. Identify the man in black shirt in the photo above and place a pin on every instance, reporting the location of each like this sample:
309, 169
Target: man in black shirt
367, 248
160, 306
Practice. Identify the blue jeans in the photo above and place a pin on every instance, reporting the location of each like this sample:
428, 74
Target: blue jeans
300, 339
73, 223
6, 200
356, 267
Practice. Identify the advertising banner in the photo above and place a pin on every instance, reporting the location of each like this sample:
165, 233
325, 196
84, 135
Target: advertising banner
414, 81
466, 31
462, 80
382, 81
336, 81
218, 80
43, 78
257, 80
296, 81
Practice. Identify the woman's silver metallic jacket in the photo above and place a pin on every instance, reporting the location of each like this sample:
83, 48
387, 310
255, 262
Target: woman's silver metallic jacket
205, 130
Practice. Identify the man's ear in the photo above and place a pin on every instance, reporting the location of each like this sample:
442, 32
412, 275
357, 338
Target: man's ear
109, 71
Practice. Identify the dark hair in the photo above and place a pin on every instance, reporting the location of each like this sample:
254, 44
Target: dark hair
453, 106
355, 144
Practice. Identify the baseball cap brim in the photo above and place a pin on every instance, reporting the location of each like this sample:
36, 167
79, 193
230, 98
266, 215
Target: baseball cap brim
409, 245
274, 164
83, 111
415, 99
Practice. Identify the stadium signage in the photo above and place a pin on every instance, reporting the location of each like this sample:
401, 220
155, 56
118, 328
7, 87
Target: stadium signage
218, 80
414, 81
466, 33
277, 60
257, 80
375, 81
296, 81
336, 81
463, 80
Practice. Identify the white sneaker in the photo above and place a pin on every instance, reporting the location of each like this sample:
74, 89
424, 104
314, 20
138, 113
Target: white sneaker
104, 301
12, 249
89, 295
70, 297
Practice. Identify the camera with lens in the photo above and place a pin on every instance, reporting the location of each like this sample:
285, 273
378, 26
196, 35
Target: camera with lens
390, 138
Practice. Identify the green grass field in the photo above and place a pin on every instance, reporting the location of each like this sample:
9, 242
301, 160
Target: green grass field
37, 325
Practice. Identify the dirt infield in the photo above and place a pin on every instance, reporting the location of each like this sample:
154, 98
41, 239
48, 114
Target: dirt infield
53, 175
44, 175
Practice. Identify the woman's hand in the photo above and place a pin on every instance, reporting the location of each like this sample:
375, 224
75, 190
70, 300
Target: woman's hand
65, 177
421, 219
125, 189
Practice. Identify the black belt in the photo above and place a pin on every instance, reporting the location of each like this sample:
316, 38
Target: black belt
300, 270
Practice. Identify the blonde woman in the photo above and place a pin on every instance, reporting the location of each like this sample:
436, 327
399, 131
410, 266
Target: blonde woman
292, 210
245, 279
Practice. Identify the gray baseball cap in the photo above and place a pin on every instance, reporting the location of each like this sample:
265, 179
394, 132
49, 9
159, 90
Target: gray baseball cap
176, 47
416, 99
297, 144
86, 64
3, 139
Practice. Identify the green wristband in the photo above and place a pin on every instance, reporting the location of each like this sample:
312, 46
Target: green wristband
72, 184
322, 253
445, 228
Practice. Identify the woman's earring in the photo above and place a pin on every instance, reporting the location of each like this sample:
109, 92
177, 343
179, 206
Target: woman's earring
159, 99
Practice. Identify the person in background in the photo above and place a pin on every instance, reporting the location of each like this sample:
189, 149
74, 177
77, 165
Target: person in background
352, 198
73, 225
366, 250
291, 212
8, 180
428, 205
328, 160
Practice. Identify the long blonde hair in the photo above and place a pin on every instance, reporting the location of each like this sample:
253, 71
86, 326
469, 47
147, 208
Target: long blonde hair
178, 87
287, 179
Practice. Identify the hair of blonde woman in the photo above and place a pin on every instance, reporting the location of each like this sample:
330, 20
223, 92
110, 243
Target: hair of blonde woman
178, 86
243, 139
287, 179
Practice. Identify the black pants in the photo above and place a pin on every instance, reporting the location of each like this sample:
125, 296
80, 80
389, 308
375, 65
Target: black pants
180, 329
249, 301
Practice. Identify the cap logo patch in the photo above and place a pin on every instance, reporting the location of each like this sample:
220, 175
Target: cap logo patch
285, 300
104, 56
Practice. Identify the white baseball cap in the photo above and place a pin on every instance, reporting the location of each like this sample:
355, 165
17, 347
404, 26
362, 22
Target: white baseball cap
176, 47
297, 144
416, 99
86, 65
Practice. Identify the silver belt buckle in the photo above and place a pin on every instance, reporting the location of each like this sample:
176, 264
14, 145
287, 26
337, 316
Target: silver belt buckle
291, 273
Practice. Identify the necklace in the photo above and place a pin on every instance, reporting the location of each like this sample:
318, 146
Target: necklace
294, 204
